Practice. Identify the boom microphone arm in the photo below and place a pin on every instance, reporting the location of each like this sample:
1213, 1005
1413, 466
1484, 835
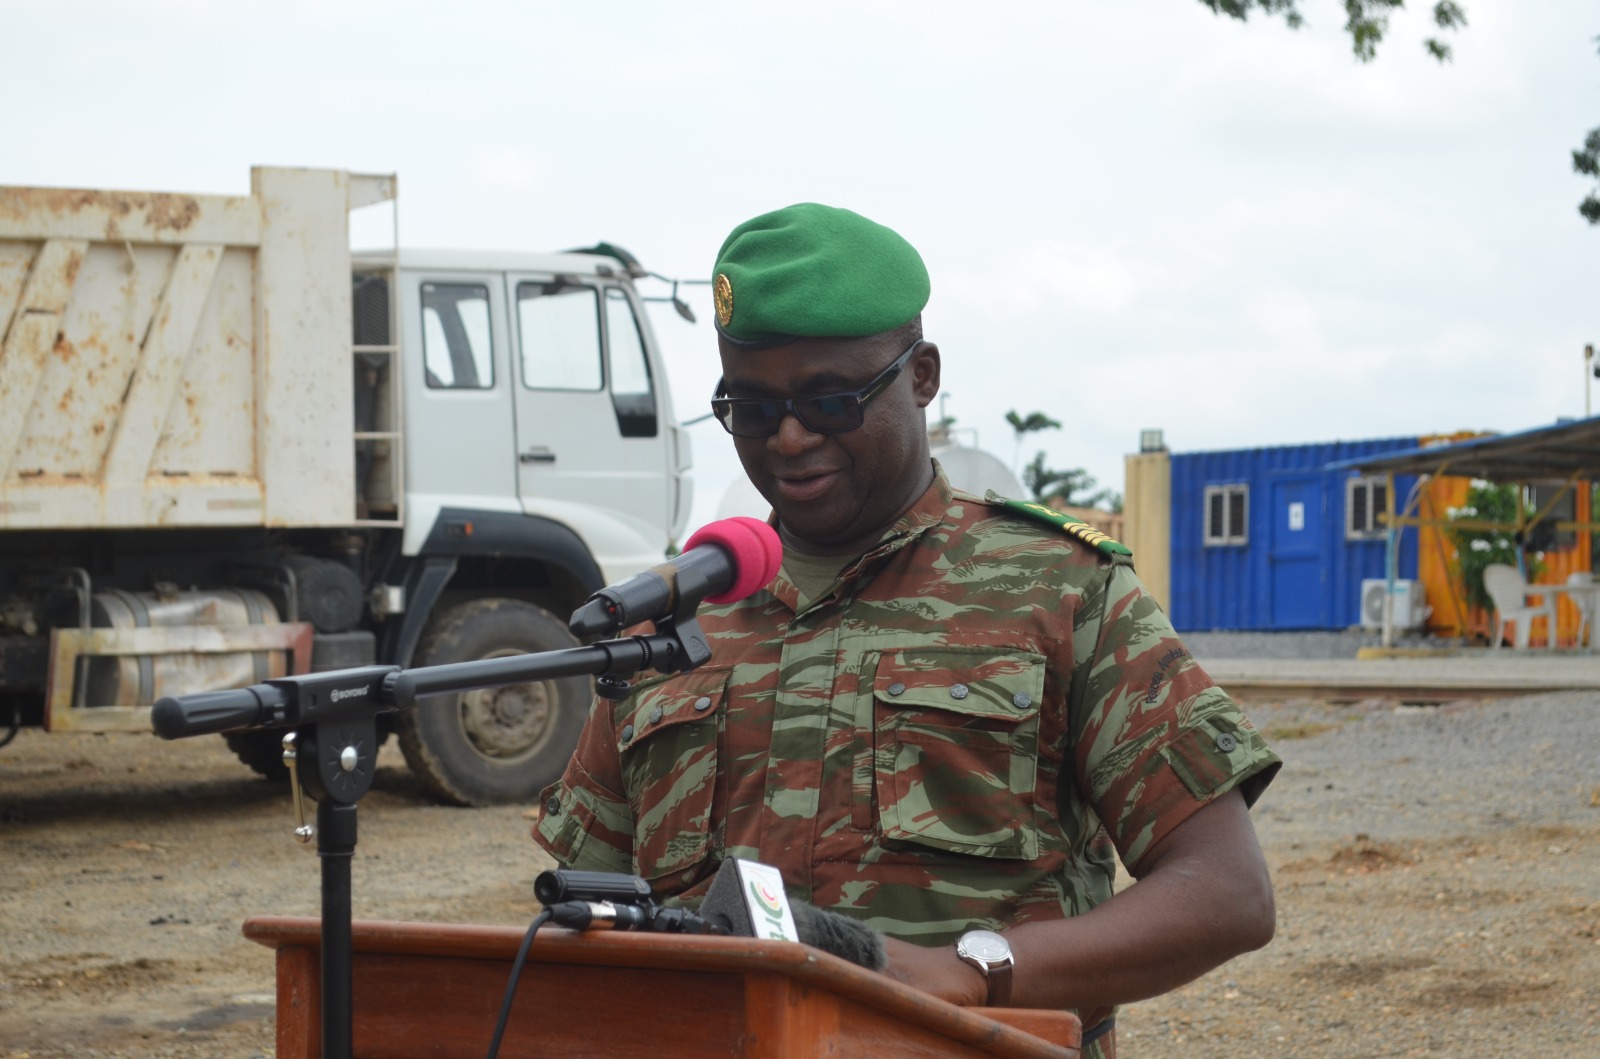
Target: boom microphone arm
332, 717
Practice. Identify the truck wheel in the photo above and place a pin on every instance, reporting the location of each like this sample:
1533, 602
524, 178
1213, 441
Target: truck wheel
262, 750
497, 744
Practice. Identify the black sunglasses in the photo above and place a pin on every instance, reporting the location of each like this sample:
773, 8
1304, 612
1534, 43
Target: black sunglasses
823, 413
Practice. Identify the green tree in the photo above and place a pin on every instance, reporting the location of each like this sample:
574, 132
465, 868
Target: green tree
1586, 162
1074, 486
1070, 487
1367, 21
1031, 423
1477, 548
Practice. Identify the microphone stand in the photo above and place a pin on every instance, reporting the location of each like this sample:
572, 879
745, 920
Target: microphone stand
334, 715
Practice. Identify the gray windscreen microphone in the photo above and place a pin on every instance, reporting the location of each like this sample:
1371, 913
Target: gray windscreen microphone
832, 932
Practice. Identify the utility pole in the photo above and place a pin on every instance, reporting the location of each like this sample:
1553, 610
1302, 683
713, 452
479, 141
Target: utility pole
1588, 373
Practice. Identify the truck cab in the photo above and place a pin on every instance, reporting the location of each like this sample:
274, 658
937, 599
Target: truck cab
541, 372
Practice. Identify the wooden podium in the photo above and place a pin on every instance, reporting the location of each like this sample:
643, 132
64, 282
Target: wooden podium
434, 991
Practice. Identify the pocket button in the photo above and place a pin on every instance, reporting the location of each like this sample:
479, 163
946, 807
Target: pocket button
1226, 742
702, 703
958, 691
897, 688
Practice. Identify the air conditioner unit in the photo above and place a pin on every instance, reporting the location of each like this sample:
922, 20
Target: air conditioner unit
1410, 606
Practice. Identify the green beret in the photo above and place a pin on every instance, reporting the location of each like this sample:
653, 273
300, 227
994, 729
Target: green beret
811, 271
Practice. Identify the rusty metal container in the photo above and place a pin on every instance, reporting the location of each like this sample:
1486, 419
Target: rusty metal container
139, 680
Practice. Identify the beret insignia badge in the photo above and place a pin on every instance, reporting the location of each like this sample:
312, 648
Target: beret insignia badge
722, 298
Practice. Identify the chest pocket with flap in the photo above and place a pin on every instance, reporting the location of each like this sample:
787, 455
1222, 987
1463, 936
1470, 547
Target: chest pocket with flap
667, 744
955, 749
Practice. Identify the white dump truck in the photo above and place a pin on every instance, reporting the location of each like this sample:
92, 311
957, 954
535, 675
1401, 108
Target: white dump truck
231, 449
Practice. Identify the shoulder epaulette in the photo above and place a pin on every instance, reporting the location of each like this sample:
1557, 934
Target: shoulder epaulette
1072, 527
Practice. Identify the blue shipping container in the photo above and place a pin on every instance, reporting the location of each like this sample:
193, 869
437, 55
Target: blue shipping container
1261, 538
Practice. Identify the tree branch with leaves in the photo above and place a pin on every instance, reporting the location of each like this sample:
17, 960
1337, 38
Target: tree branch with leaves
1586, 162
1367, 21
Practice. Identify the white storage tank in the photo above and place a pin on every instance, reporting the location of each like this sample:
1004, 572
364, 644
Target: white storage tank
968, 468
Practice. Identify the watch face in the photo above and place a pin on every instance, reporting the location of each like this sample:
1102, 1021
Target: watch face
986, 945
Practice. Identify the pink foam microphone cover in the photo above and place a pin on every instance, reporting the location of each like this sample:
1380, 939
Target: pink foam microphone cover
751, 544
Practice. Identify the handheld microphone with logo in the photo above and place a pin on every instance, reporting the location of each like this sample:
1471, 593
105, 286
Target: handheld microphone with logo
722, 562
747, 899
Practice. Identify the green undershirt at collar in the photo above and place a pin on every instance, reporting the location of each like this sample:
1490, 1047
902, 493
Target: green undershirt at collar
813, 574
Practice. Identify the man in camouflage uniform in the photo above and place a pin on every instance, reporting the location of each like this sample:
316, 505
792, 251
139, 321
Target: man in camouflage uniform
947, 712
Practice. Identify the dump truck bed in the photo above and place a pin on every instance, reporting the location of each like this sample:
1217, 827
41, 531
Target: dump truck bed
179, 360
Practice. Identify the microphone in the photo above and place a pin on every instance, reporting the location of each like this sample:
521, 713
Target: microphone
564, 884
602, 900
746, 900
722, 562
742, 902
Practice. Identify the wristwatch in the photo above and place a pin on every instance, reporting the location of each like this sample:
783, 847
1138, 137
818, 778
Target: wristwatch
991, 955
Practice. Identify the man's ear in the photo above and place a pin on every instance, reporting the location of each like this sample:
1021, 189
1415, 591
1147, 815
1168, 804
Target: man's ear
925, 374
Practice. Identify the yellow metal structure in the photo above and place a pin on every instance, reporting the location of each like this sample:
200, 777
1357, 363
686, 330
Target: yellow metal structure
1147, 519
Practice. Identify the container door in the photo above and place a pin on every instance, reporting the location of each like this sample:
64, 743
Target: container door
589, 427
1298, 572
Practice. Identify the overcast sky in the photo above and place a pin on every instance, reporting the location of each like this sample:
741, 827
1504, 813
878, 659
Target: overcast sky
1136, 215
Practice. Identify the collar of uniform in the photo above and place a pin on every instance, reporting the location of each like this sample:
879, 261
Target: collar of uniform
930, 510
785, 592
927, 512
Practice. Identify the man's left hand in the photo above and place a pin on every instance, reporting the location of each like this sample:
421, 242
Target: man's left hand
938, 971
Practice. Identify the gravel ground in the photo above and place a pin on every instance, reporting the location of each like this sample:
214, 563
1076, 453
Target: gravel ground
1316, 645
1437, 873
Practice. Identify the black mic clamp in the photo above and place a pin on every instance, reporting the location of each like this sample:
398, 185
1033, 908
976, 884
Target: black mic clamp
561, 885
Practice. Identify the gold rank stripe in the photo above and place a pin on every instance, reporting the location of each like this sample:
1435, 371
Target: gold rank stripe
1068, 525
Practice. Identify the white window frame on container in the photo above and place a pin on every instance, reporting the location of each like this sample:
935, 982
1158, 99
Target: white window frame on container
1231, 505
1359, 493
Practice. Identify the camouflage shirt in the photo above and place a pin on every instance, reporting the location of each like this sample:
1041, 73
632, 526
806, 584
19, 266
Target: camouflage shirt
942, 740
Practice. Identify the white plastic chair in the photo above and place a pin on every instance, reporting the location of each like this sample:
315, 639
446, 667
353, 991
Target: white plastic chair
1585, 602
1510, 595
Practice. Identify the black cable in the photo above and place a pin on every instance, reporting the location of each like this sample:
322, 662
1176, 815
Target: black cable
511, 986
